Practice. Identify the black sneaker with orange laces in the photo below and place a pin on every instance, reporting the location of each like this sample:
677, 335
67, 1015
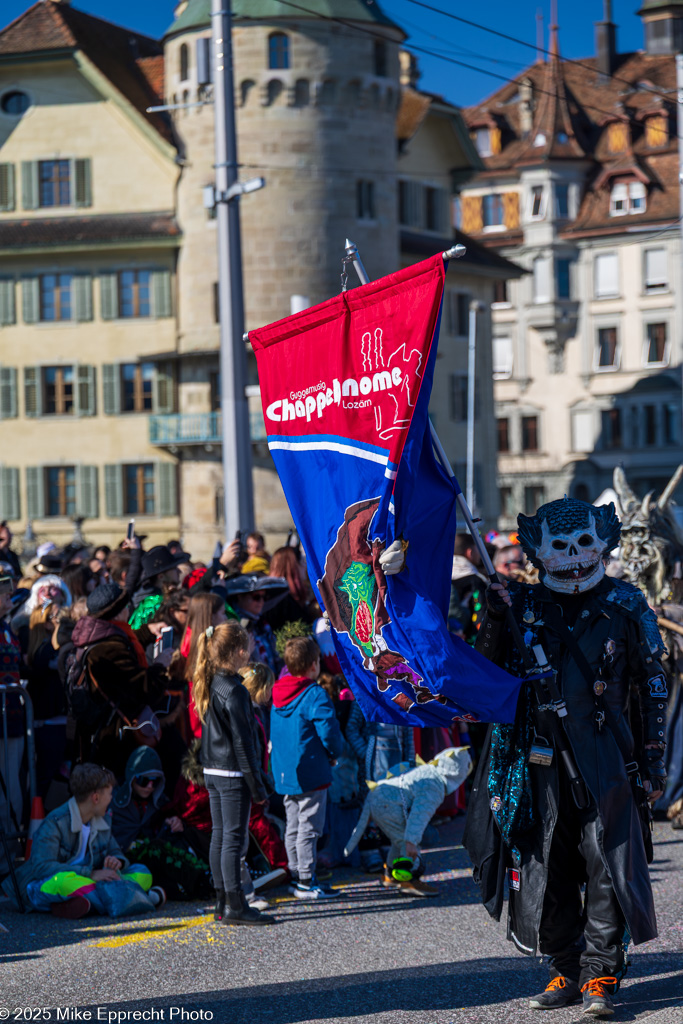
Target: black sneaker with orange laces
597, 996
560, 992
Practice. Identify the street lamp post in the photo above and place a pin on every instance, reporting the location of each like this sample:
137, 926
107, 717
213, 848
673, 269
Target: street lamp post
237, 478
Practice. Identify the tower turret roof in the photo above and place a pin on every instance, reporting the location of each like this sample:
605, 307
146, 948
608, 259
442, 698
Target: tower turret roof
197, 13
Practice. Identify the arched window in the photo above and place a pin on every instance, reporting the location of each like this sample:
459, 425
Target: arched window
328, 92
274, 91
581, 492
278, 51
184, 62
302, 93
245, 89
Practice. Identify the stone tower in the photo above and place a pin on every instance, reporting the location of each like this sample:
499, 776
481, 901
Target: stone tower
317, 97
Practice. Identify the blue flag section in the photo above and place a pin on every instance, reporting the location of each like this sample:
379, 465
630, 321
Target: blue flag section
345, 389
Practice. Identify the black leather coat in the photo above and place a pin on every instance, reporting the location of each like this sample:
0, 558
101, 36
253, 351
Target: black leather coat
615, 620
229, 735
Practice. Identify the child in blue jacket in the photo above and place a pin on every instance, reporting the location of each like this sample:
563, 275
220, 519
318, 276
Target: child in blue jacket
306, 741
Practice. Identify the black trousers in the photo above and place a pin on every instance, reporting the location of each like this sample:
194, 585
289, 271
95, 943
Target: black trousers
230, 802
582, 936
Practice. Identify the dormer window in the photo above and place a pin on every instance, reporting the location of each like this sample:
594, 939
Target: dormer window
536, 203
540, 140
627, 198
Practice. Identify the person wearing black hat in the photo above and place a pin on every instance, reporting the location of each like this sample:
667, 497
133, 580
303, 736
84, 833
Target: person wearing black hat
159, 575
123, 685
249, 597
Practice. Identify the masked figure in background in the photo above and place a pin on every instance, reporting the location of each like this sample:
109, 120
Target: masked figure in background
554, 821
651, 557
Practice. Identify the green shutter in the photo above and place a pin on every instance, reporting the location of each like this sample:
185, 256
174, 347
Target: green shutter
30, 291
35, 492
85, 390
109, 296
8, 313
161, 293
33, 392
82, 179
6, 187
30, 199
87, 502
166, 489
8, 393
163, 388
82, 296
113, 490
111, 389
9, 493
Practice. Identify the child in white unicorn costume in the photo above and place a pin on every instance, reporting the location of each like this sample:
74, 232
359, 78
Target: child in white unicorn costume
402, 805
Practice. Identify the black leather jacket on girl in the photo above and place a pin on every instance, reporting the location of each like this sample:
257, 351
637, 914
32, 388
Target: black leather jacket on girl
229, 734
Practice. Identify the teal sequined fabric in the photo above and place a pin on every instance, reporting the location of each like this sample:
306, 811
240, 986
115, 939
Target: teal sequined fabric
509, 781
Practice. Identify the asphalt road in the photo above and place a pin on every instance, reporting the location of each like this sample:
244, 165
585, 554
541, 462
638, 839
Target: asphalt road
371, 956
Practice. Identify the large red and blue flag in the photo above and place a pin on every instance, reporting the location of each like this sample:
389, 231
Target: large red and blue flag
345, 387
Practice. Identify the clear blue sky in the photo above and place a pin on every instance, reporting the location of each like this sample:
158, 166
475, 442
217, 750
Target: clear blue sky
434, 32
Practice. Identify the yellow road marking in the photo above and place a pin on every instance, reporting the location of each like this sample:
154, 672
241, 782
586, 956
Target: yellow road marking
151, 933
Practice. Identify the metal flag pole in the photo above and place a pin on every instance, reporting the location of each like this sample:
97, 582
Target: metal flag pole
475, 307
238, 496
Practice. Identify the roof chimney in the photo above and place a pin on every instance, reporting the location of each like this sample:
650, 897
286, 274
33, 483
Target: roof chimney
606, 42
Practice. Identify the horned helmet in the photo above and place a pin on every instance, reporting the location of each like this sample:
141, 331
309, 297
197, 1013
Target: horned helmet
568, 541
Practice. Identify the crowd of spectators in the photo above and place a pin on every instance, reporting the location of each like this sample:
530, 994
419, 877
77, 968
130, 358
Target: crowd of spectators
106, 644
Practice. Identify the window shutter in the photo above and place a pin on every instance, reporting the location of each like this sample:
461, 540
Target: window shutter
161, 293
35, 492
472, 214
166, 489
109, 296
111, 389
6, 187
85, 390
502, 357
86, 492
9, 493
113, 490
443, 202
163, 388
33, 396
30, 292
82, 178
8, 313
542, 268
583, 431
606, 275
82, 296
29, 185
511, 210
8, 393
656, 273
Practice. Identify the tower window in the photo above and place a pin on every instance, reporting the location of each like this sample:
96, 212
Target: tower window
380, 58
278, 51
365, 200
184, 62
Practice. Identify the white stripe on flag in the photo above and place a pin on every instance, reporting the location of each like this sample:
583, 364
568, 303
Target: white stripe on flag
390, 474
328, 446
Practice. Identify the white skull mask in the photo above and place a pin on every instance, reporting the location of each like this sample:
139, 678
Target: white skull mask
571, 561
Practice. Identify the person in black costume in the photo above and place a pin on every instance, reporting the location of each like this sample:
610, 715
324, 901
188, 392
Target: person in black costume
527, 818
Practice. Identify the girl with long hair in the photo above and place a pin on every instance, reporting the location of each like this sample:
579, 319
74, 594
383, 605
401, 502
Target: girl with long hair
47, 694
204, 610
231, 760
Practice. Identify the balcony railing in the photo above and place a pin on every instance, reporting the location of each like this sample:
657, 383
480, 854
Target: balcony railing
198, 428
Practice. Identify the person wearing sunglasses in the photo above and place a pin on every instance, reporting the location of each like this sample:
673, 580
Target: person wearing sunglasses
248, 597
509, 562
137, 803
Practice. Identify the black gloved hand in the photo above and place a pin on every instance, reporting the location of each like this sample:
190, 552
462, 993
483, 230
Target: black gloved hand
495, 603
655, 768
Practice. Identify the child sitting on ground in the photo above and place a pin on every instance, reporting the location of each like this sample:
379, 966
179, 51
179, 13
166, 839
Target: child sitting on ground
402, 806
306, 741
76, 864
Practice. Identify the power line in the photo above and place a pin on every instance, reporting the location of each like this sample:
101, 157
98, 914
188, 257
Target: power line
536, 48
441, 56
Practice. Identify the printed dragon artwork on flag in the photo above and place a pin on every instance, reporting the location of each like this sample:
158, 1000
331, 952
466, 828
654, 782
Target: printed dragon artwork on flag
353, 588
